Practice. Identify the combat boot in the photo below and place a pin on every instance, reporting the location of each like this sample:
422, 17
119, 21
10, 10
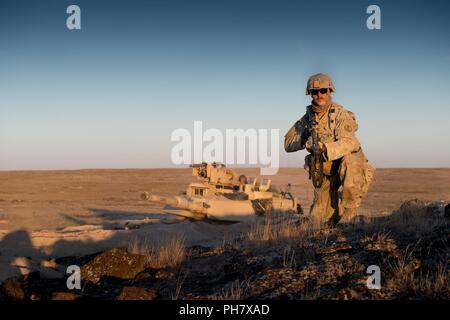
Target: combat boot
349, 215
333, 221
351, 218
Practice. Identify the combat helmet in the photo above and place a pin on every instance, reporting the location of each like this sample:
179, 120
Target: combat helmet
319, 81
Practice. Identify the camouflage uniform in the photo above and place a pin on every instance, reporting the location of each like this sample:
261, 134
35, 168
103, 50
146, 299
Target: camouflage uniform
346, 165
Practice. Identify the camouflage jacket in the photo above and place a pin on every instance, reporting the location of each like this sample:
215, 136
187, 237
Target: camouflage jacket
336, 130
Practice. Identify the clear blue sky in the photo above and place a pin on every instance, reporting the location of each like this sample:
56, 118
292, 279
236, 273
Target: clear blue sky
109, 95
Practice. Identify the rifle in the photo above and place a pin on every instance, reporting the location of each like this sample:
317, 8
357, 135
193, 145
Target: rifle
316, 167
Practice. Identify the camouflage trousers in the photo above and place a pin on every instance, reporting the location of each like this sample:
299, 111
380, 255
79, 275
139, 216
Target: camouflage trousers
331, 202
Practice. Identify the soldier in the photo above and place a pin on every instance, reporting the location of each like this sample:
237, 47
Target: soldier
344, 163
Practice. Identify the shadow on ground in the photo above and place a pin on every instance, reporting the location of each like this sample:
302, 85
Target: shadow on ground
410, 246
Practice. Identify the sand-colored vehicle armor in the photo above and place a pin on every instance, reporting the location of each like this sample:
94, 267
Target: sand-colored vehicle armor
220, 194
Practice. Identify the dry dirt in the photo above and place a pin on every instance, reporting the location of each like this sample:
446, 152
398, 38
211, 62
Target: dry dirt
48, 214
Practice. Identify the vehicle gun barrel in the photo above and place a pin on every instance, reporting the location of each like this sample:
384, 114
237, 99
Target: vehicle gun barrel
176, 202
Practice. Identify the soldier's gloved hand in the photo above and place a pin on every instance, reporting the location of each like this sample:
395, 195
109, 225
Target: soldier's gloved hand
322, 149
309, 143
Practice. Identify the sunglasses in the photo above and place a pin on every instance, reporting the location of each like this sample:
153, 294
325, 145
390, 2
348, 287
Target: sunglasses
314, 92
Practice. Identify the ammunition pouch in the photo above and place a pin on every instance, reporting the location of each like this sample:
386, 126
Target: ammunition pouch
308, 160
330, 168
369, 171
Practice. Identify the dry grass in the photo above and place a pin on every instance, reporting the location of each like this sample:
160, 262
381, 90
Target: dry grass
237, 290
432, 285
289, 257
413, 218
404, 266
282, 228
310, 294
410, 279
166, 253
179, 284
409, 273
405, 275
381, 236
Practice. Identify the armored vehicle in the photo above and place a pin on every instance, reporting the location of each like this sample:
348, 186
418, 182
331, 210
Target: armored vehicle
220, 194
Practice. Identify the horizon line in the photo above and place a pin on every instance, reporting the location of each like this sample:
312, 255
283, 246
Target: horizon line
187, 167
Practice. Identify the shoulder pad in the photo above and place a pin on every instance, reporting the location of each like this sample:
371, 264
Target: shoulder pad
351, 114
344, 111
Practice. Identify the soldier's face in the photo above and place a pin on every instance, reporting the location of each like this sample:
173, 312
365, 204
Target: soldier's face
321, 97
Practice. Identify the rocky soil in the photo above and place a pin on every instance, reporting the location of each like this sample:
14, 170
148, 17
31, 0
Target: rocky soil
282, 259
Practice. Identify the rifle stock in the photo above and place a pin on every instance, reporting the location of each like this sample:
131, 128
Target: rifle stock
316, 170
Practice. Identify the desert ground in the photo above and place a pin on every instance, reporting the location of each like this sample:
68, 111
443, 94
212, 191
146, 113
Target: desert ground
50, 214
